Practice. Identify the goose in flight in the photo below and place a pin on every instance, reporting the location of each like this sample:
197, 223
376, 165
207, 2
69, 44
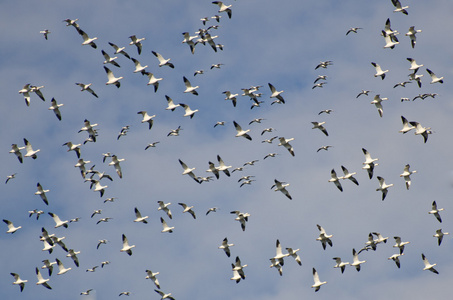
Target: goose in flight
175, 132
379, 71
109, 59
45, 32
326, 111
119, 50
42, 193
103, 220
377, 101
101, 242
164, 206
285, 143
61, 267
412, 35
420, 130
238, 266
126, 247
324, 238
428, 266
320, 127
434, 78
232, 97
275, 93
111, 78
340, 264
406, 175
16, 150
26, 92
435, 211
188, 209
139, 218
138, 67
55, 107
164, 296
269, 140
152, 276
41, 280
363, 92
70, 22
213, 169
73, 255
88, 127
241, 218
153, 80
406, 126
440, 235
223, 8
324, 64
222, 167
324, 148
19, 281
399, 244
319, 85
58, 221
86, 39
147, 118
389, 42
171, 105
369, 163
137, 42
417, 78
281, 186
348, 175
335, 180
87, 292
35, 211
73, 147
116, 163
30, 152
188, 171
226, 247
11, 227
356, 262
188, 112
86, 87
403, 84
163, 61
189, 88
383, 187
275, 263
241, 132
353, 29
212, 209
318, 282
166, 228
396, 259
414, 66
320, 77
293, 252
279, 256
399, 8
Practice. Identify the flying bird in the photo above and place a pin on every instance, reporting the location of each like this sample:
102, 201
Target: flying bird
383, 187
86, 87
324, 238
188, 209
226, 247
435, 211
406, 175
41, 280
440, 235
281, 186
285, 143
317, 285
163, 61
137, 42
166, 228
126, 247
434, 78
111, 78
147, 118
119, 50
188, 112
19, 281
11, 227
42, 193
153, 80
319, 126
109, 59
379, 71
223, 8
353, 29
139, 218
275, 93
86, 39
30, 152
335, 180
189, 88
241, 132
55, 107
428, 266
16, 150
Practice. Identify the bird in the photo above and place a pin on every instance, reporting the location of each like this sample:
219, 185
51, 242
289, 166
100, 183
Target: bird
279, 256
435, 211
73, 147
414, 66
379, 71
188, 112
324, 238
124, 131
189, 88
26, 92
399, 8
19, 281
270, 129
222, 167
353, 29
406, 175
56, 108
320, 77
109, 59
241, 132
216, 66
111, 78
212, 209
324, 64
98, 187
126, 248
164, 206
428, 266
9, 177
335, 180
369, 163
61, 267
219, 123
116, 163
270, 155
319, 126
440, 235
86, 87
285, 143
101, 242
86, 39
137, 42
417, 78
275, 93
73, 255
340, 264
93, 269
383, 187
403, 84
188, 209
318, 282
103, 220
389, 41
230, 96
399, 244
327, 111
166, 228
138, 67
58, 221
138, 216
434, 78
198, 72
35, 211
380, 238
371, 243
396, 259
356, 262
223, 8
406, 126
163, 61
238, 266
16, 150
30, 152
152, 80
226, 247
175, 132
42, 193
88, 127
41, 280
87, 292
363, 92
281, 186
188, 171
45, 32
319, 85
241, 218
119, 50
412, 35
164, 296
70, 22
348, 175
420, 130
324, 148
293, 252
377, 101
11, 227
275, 263
171, 105
152, 276
147, 118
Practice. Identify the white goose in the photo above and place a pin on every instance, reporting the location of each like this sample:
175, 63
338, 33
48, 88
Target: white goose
58, 221
126, 247
414, 66
319, 126
293, 252
19, 281
61, 267
152, 276
285, 143
42, 193
188, 171
164, 295
109, 59
435, 211
223, 8
26, 93
86, 87
139, 67
111, 78
139, 218
30, 152
222, 167
340, 264
86, 39
369, 163
383, 187
11, 227
188, 112
73, 147
241, 132
281, 186
399, 244
399, 8
153, 80
356, 262
389, 42
56, 108
163, 61
324, 238
318, 282
279, 256
165, 226
226, 247
379, 71
434, 78
406, 126
188, 209
116, 163
420, 130
275, 93
428, 266
164, 206
396, 259
137, 42
119, 50
171, 105
406, 175
335, 180
147, 118
189, 88
377, 101
440, 235
16, 150
41, 280
348, 175
412, 35
73, 255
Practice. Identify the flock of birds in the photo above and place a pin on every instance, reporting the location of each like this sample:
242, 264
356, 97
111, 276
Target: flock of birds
97, 178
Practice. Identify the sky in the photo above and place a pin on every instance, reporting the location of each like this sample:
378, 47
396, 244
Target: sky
264, 42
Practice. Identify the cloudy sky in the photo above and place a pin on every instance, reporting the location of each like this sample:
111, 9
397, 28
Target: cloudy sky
264, 42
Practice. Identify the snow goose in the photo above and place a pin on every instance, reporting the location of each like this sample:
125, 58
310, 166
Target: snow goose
139, 218
226, 247
275, 263
241, 218
164, 206
324, 148
379, 238
353, 29
319, 126
165, 226
188, 209
26, 93
30, 152
116, 163
222, 167
428, 266
318, 282
406, 175
119, 50
281, 186
383, 187
36, 89
198, 72
324, 64
270, 155
238, 266
275, 93
293, 252
58, 221
147, 118
41, 280
137, 42
369, 163
45, 32
139, 67
152, 276
189, 88
348, 175
212, 209
285, 143
11, 227
371, 243
9, 177
399, 8
377, 101
340, 264
363, 92
56, 108
171, 105
93, 269
435, 211
87, 292
279, 256
86, 87
379, 71
153, 80
73, 147
241, 132
356, 262
223, 8
88, 127
403, 84
412, 35
103, 220
434, 78
126, 247
420, 130
42, 193
61, 267
326, 111
164, 295
188, 112
98, 187
414, 66
109, 59
396, 259
35, 211
417, 78
230, 96
319, 85
16, 150
19, 281
399, 244
219, 123
174, 132
70, 22
406, 126
111, 78
335, 180
213, 169
101, 242
188, 171
389, 42
440, 235
324, 238
163, 61
86, 39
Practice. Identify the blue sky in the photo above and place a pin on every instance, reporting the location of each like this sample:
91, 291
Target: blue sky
264, 42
